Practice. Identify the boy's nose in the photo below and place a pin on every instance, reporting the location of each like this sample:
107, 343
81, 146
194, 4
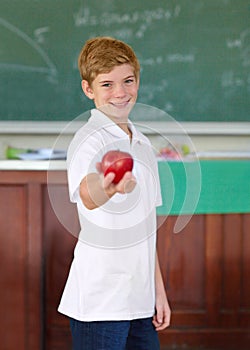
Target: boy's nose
120, 90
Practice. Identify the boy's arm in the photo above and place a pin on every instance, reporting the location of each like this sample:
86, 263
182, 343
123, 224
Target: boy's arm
161, 319
96, 190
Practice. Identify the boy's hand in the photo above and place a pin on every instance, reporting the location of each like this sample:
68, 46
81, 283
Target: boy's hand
125, 185
96, 190
162, 316
161, 319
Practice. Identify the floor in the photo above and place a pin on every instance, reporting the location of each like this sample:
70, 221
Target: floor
184, 347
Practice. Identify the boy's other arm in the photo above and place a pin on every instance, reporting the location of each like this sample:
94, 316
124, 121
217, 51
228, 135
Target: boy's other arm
96, 190
161, 319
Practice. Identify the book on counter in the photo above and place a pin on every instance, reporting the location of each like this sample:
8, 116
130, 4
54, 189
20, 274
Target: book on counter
35, 154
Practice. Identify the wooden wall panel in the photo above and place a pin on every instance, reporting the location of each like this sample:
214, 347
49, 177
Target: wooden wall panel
231, 287
213, 253
58, 249
245, 276
21, 274
182, 260
34, 263
213, 261
13, 250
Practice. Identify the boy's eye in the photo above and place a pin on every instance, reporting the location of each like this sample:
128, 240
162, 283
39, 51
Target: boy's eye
129, 81
106, 84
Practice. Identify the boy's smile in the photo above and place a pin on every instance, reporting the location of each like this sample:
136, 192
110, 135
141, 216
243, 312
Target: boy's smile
114, 93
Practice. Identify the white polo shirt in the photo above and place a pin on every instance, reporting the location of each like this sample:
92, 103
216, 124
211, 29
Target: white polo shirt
112, 274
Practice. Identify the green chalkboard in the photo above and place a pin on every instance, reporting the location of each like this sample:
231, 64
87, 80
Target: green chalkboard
194, 54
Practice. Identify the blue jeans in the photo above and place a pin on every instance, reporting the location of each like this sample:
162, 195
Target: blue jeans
138, 334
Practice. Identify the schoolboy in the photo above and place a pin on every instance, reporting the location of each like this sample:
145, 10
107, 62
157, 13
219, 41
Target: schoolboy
114, 294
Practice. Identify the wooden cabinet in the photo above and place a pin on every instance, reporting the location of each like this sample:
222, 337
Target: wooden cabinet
206, 269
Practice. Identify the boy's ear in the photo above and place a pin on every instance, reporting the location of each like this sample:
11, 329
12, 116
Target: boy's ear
87, 89
138, 82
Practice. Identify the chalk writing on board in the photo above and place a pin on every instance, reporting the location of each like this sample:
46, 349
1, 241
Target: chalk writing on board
245, 52
178, 57
84, 17
39, 34
232, 43
243, 44
170, 58
229, 79
49, 68
148, 93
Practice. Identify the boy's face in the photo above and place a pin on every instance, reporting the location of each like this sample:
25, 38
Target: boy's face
115, 92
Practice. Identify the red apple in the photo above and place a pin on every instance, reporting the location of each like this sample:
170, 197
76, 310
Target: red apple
117, 162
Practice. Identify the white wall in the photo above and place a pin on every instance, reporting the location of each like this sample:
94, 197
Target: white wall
203, 136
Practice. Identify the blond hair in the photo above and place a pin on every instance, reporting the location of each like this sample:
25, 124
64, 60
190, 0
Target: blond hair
101, 54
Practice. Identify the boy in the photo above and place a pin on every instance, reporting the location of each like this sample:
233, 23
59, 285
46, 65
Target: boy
114, 294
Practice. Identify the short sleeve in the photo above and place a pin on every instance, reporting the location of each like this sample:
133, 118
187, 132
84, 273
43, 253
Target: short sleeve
84, 152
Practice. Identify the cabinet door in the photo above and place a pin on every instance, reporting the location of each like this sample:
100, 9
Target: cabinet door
59, 217
20, 262
13, 259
